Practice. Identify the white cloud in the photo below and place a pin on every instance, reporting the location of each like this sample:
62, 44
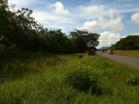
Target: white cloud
99, 16
60, 9
135, 33
55, 16
44, 17
112, 24
135, 18
99, 11
108, 38
21, 3
89, 25
52, 20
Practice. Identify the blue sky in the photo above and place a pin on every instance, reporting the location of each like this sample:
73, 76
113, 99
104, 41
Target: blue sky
113, 19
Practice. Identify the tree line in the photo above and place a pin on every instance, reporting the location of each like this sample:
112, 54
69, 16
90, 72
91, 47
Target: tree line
127, 43
19, 30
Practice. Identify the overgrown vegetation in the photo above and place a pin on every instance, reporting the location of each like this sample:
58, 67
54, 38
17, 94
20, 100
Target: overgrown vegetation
48, 86
80, 80
17, 64
83, 80
32, 73
133, 80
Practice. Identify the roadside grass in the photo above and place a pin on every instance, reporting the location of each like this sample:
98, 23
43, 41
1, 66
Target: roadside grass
16, 64
48, 85
132, 53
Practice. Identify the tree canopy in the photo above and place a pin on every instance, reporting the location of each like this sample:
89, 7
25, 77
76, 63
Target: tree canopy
128, 43
20, 29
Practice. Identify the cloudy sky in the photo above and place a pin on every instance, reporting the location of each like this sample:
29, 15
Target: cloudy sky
113, 19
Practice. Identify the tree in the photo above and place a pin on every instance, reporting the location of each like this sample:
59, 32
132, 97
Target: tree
18, 28
55, 41
128, 43
83, 40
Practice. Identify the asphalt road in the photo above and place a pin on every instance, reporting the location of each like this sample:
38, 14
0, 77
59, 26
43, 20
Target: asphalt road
131, 61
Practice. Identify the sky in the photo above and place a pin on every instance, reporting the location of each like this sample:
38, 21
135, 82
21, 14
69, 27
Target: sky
112, 19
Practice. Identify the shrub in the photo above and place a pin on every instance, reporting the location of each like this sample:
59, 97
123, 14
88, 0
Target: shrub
133, 80
80, 80
84, 81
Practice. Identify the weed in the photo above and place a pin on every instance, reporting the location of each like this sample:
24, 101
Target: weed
133, 80
84, 81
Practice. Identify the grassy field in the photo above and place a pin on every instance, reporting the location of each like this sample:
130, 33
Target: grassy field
132, 53
40, 79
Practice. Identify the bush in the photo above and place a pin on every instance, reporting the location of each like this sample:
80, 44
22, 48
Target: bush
83, 81
133, 80
80, 80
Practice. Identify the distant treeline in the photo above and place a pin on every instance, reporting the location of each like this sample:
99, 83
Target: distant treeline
20, 31
128, 43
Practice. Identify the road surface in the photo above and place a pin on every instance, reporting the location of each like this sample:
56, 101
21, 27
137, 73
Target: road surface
131, 61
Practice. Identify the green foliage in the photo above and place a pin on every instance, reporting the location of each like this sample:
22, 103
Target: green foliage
128, 43
133, 80
48, 86
84, 81
80, 80
56, 41
26, 34
18, 28
14, 65
83, 40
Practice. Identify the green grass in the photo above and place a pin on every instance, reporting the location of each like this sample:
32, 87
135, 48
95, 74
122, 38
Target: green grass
132, 53
43, 81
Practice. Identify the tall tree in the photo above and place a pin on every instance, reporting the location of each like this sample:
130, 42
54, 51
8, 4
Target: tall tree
18, 27
84, 40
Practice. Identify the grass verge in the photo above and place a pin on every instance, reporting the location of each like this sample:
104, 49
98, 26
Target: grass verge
48, 86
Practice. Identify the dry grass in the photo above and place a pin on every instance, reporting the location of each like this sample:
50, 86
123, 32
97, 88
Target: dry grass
132, 53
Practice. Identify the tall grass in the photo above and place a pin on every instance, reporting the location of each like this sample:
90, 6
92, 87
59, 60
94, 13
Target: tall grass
16, 64
47, 85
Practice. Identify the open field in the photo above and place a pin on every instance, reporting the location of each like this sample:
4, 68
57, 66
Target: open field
132, 53
42, 80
